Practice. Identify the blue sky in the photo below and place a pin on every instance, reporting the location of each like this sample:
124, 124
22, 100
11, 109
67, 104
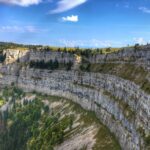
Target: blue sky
84, 23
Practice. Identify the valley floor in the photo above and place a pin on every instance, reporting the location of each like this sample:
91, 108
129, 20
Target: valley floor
35, 121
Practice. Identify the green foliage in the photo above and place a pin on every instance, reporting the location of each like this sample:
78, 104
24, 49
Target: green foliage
2, 58
12, 92
104, 142
46, 109
146, 86
9, 45
147, 141
33, 126
85, 67
51, 132
2, 102
136, 47
68, 65
51, 65
44, 65
86, 52
85, 64
28, 128
23, 118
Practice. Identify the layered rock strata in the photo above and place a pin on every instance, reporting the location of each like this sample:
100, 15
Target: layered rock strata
120, 104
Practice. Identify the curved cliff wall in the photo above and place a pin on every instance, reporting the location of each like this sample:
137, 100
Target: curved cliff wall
139, 56
120, 104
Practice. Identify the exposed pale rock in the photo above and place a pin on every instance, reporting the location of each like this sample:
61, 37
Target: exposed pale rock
88, 90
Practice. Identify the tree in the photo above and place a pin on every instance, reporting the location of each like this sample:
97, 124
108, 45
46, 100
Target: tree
108, 50
46, 109
55, 64
2, 57
137, 46
69, 65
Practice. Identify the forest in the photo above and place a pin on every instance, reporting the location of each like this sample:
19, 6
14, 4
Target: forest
29, 122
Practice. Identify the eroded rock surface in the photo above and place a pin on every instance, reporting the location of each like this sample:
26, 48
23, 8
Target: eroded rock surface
120, 104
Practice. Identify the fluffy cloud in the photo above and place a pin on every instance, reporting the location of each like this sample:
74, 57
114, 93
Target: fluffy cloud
71, 18
24, 3
64, 5
144, 9
140, 41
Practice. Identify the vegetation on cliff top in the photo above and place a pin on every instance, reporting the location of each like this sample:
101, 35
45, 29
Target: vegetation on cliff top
77, 50
74, 50
9, 45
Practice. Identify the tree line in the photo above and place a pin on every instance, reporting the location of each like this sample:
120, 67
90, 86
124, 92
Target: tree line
51, 65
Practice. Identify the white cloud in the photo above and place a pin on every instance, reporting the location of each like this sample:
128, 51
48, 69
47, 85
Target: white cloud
64, 5
140, 40
11, 29
100, 43
144, 9
31, 29
18, 29
71, 43
89, 43
72, 18
23, 3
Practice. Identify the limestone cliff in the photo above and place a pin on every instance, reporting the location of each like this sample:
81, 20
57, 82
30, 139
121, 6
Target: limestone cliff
121, 104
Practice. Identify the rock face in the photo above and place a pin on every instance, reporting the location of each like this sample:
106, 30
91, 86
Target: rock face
139, 56
120, 104
16, 55
48, 55
24, 56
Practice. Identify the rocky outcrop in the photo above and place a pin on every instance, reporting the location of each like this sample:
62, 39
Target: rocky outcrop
24, 56
139, 56
120, 104
13, 56
51, 55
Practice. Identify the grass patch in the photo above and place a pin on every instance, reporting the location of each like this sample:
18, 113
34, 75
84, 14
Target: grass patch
2, 102
146, 138
147, 141
105, 142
